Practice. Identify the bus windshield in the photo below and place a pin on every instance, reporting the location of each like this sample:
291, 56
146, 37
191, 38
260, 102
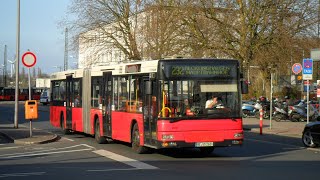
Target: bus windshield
193, 99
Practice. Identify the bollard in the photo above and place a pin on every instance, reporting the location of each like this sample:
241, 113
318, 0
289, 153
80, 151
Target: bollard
261, 124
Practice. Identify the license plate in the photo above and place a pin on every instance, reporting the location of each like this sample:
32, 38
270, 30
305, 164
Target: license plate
204, 144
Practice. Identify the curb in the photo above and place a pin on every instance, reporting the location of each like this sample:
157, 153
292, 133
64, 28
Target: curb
282, 133
7, 137
246, 129
28, 142
49, 139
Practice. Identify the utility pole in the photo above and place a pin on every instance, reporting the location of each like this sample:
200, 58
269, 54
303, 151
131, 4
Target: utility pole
17, 67
5, 66
66, 50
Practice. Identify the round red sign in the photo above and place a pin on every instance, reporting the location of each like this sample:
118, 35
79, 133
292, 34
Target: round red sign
296, 68
29, 59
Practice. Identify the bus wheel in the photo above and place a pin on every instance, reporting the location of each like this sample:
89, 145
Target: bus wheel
135, 141
100, 139
64, 130
206, 150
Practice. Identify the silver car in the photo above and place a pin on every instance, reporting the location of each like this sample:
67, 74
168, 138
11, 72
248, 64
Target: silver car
45, 97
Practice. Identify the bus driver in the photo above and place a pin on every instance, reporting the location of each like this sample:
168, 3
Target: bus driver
210, 103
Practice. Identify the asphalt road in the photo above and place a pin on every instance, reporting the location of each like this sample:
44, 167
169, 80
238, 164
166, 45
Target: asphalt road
78, 156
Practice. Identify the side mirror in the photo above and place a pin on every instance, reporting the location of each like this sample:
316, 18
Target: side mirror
148, 87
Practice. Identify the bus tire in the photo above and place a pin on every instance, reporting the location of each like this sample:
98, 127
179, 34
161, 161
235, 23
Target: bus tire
64, 130
97, 136
135, 141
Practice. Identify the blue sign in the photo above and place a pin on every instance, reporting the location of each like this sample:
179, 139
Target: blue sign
307, 66
307, 69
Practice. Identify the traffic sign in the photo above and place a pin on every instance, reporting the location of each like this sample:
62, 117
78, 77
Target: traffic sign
29, 59
299, 78
307, 69
296, 68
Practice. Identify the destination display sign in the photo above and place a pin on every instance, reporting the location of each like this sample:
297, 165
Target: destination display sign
199, 70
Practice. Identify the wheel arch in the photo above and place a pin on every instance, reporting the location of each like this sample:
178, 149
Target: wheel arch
95, 119
62, 119
133, 122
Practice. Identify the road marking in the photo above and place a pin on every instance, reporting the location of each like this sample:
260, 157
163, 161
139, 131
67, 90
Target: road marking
104, 170
4, 148
47, 152
88, 146
22, 174
68, 139
125, 160
313, 149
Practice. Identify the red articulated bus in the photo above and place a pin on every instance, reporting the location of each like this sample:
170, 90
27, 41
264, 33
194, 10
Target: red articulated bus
8, 94
152, 104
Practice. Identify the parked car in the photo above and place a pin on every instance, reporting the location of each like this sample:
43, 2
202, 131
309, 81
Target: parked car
311, 134
45, 97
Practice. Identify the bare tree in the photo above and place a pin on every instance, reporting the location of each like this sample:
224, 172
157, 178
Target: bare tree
103, 24
242, 28
160, 28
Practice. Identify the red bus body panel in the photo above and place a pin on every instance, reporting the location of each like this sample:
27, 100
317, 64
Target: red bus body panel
94, 113
55, 112
121, 125
191, 131
77, 122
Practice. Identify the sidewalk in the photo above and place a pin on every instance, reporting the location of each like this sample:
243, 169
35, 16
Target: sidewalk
282, 128
21, 135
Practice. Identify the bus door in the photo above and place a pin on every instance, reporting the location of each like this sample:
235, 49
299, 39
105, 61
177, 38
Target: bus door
149, 113
107, 103
69, 98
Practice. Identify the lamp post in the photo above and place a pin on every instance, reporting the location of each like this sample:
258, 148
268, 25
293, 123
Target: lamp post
272, 69
17, 67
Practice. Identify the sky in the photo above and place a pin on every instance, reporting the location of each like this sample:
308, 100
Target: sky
39, 31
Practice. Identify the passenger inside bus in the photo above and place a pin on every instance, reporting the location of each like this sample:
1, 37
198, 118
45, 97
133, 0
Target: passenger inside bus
77, 101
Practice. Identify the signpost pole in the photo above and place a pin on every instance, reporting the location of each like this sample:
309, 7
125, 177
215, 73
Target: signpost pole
308, 87
307, 75
271, 92
29, 79
29, 59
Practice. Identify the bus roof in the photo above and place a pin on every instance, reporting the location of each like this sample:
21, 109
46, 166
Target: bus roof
131, 67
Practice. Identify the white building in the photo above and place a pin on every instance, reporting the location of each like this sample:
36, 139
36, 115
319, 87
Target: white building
96, 49
43, 82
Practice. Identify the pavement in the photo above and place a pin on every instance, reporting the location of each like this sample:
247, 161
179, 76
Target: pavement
282, 128
21, 135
